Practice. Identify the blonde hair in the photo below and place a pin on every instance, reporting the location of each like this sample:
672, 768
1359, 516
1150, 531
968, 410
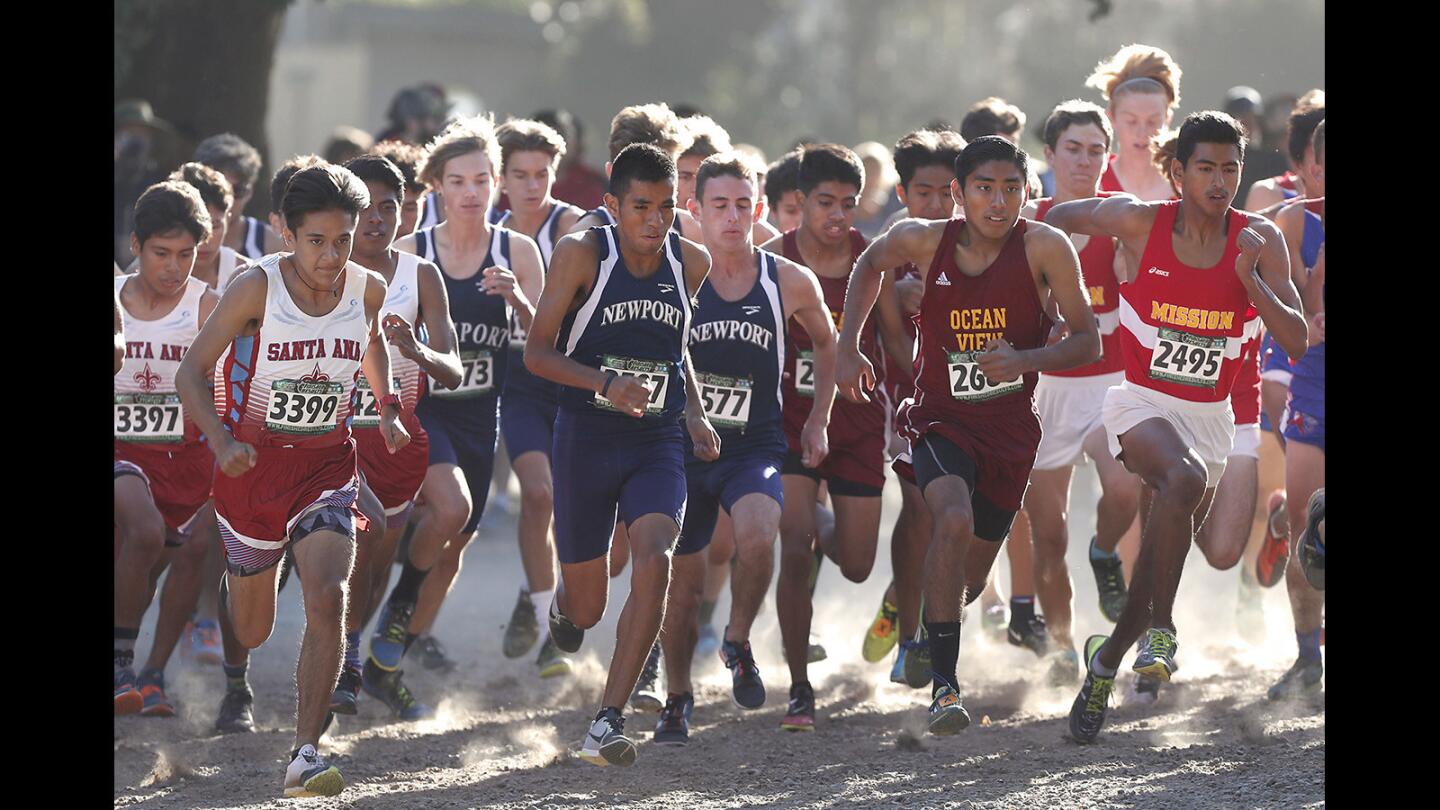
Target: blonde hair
526, 135
654, 124
706, 137
461, 137
1137, 69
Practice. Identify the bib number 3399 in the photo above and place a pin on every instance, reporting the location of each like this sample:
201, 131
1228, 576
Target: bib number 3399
1187, 359
303, 408
653, 374
969, 384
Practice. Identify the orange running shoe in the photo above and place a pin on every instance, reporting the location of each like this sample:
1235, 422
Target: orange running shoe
1275, 549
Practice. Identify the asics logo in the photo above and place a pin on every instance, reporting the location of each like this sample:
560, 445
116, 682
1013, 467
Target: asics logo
1157, 271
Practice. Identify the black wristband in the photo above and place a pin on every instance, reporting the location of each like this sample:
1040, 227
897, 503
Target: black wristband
609, 378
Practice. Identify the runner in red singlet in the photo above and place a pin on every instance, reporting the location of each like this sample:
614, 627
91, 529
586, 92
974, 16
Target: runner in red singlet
982, 333
1142, 85
1184, 321
1308, 111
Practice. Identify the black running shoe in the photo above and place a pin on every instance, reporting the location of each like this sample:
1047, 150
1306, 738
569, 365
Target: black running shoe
747, 691
1110, 582
389, 688
347, 691
800, 714
235, 712
432, 654
1302, 680
1031, 635
523, 630
606, 743
646, 697
1087, 713
673, 727
566, 635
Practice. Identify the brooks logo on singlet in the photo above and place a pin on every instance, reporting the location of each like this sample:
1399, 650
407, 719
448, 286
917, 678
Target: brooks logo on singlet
647, 310
732, 330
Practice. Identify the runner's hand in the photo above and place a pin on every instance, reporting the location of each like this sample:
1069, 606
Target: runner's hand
498, 281
1316, 335
814, 443
1000, 362
236, 458
1250, 242
1058, 332
854, 374
396, 436
910, 290
702, 435
628, 395
401, 335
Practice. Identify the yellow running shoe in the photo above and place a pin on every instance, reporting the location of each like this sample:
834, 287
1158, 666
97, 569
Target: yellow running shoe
883, 635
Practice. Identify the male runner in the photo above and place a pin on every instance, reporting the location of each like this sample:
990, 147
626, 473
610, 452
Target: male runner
405, 156
611, 328
299, 327
489, 272
1077, 139
1184, 321
982, 336
830, 180
1308, 111
240, 163
1141, 83
162, 466
530, 155
737, 342
782, 191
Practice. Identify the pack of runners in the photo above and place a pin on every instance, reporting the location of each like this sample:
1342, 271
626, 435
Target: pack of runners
712, 363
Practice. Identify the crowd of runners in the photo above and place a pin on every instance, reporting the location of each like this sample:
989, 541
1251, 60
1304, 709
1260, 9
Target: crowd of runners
712, 358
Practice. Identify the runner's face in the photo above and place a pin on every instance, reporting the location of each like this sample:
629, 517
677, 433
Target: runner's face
528, 179
205, 253
166, 260
992, 198
1314, 174
1211, 177
1138, 117
928, 196
687, 167
828, 211
788, 212
646, 214
322, 243
243, 193
1078, 159
728, 213
467, 186
380, 222
409, 212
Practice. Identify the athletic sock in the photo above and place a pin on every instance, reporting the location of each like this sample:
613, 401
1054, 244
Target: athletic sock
352, 649
1099, 668
235, 680
944, 653
1096, 555
125, 646
408, 588
707, 611
540, 603
1022, 611
1309, 645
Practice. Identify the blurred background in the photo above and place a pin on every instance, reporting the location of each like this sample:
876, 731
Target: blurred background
291, 76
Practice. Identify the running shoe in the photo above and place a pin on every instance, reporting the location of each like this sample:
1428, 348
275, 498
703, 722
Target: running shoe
883, 633
995, 620
947, 713
1087, 714
432, 654
347, 691
815, 652
917, 662
708, 643
897, 670
1031, 635
1275, 549
747, 691
1156, 657
1064, 667
1142, 691
646, 697
128, 699
205, 647
800, 714
1312, 548
673, 726
152, 690
1110, 582
606, 743
551, 662
523, 630
563, 632
387, 645
235, 712
310, 774
1250, 609
1300, 681
389, 688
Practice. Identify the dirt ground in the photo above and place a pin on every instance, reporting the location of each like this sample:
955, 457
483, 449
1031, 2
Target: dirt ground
504, 738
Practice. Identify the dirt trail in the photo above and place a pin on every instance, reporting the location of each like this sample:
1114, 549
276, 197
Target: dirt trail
502, 737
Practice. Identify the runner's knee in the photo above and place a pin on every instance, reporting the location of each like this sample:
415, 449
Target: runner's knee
954, 522
1185, 483
144, 538
537, 497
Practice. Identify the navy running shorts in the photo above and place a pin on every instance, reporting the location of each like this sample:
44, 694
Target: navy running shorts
721, 483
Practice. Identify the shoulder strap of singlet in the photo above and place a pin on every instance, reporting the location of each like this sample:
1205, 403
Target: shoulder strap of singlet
422, 243
504, 244
1042, 207
790, 247
1160, 229
858, 242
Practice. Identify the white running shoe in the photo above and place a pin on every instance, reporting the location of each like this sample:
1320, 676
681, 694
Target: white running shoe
606, 743
310, 774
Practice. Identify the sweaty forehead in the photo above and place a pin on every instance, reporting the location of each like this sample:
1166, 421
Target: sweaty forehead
836, 188
652, 190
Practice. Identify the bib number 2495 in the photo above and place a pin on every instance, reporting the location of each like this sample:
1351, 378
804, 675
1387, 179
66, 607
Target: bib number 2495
1187, 359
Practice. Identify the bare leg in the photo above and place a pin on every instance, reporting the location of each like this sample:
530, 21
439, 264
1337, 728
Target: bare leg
792, 591
1047, 502
652, 537
1224, 535
1304, 473
756, 520
537, 502
182, 587
681, 628
323, 562
907, 557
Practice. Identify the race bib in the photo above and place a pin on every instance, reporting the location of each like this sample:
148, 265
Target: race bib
303, 408
969, 384
805, 374
1187, 359
154, 418
726, 400
367, 406
477, 376
653, 374
517, 333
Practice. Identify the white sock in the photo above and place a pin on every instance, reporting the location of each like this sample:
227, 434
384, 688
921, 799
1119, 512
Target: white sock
540, 601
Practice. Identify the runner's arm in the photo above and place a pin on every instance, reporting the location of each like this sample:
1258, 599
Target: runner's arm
1119, 215
119, 333
897, 343
804, 301
1270, 289
242, 304
1291, 222
376, 364
572, 273
439, 359
1059, 267
696, 260
529, 272
904, 243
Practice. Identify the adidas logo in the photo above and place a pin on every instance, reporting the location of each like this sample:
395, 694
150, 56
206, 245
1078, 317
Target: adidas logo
750, 309
942, 281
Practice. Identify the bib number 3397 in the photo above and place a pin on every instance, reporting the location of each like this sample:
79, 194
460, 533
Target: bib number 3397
1187, 359
149, 418
303, 408
969, 384
653, 374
